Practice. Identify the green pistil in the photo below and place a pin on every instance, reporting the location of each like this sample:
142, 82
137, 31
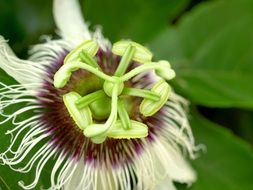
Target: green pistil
107, 103
98, 130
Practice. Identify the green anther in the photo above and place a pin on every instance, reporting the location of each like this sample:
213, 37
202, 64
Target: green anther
89, 46
149, 107
141, 93
123, 115
88, 59
141, 54
165, 72
99, 130
88, 99
125, 60
82, 117
138, 130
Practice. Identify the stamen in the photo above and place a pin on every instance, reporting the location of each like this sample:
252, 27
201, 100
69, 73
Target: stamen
96, 130
138, 130
82, 117
89, 46
141, 54
123, 115
141, 93
113, 87
149, 107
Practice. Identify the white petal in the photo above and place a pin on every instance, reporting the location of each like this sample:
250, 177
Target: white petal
70, 22
166, 184
169, 158
23, 71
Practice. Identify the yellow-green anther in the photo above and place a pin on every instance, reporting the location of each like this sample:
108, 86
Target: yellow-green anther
165, 71
149, 107
82, 117
141, 54
98, 130
138, 130
88, 99
123, 115
88, 59
125, 60
89, 46
141, 93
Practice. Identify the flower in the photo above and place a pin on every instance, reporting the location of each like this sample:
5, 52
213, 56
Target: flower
99, 112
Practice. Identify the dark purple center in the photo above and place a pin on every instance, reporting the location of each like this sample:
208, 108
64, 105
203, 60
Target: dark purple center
67, 137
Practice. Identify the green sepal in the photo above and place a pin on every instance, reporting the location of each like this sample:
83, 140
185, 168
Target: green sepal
141, 53
149, 107
137, 130
82, 117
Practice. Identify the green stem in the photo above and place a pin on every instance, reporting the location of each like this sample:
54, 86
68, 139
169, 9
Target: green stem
88, 99
125, 60
141, 93
123, 115
140, 69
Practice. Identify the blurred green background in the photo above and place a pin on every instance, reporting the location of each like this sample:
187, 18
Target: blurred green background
210, 45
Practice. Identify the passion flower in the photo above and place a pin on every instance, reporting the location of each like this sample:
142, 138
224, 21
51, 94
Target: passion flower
104, 115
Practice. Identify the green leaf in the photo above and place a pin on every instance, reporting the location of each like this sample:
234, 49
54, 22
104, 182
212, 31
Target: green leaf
212, 52
227, 163
22, 22
138, 20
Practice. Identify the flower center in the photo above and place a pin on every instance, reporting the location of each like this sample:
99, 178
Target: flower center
109, 102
